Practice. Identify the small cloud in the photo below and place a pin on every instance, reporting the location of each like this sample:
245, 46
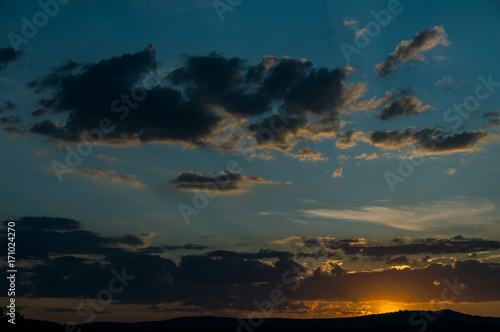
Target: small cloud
286, 240
439, 57
105, 157
448, 82
8, 105
59, 148
309, 155
349, 22
299, 221
366, 156
113, 177
491, 114
359, 32
337, 173
407, 90
8, 55
446, 79
451, 171
41, 112
309, 200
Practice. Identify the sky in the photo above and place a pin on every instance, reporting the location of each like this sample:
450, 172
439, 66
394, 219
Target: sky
340, 154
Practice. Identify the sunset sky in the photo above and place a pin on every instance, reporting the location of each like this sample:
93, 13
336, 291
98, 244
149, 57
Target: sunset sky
344, 153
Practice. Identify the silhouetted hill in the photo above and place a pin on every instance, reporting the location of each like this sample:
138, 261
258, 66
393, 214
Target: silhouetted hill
398, 322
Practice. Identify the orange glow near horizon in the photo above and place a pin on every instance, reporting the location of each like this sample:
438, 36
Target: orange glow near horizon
388, 306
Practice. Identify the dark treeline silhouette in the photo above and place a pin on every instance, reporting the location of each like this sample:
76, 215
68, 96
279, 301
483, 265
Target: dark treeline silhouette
401, 321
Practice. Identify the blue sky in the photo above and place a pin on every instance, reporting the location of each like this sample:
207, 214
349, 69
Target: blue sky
136, 186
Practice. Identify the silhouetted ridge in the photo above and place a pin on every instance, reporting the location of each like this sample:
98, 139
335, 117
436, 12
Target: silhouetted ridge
447, 320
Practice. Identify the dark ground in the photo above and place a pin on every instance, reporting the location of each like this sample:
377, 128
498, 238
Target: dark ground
399, 321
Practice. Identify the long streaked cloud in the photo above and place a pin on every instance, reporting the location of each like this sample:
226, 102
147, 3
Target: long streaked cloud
261, 254
426, 141
226, 182
414, 218
111, 176
429, 246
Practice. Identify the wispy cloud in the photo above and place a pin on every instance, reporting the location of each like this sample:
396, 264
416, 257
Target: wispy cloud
415, 218
111, 175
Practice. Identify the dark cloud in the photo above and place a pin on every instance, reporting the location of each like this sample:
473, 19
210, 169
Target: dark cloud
46, 223
58, 310
461, 142
8, 55
400, 260
41, 112
293, 84
7, 105
412, 49
194, 104
403, 107
134, 114
425, 246
45, 236
394, 139
227, 280
495, 122
426, 141
321, 91
280, 139
411, 285
491, 114
347, 139
406, 91
235, 283
215, 80
261, 254
163, 248
224, 182
12, 124
12, 120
